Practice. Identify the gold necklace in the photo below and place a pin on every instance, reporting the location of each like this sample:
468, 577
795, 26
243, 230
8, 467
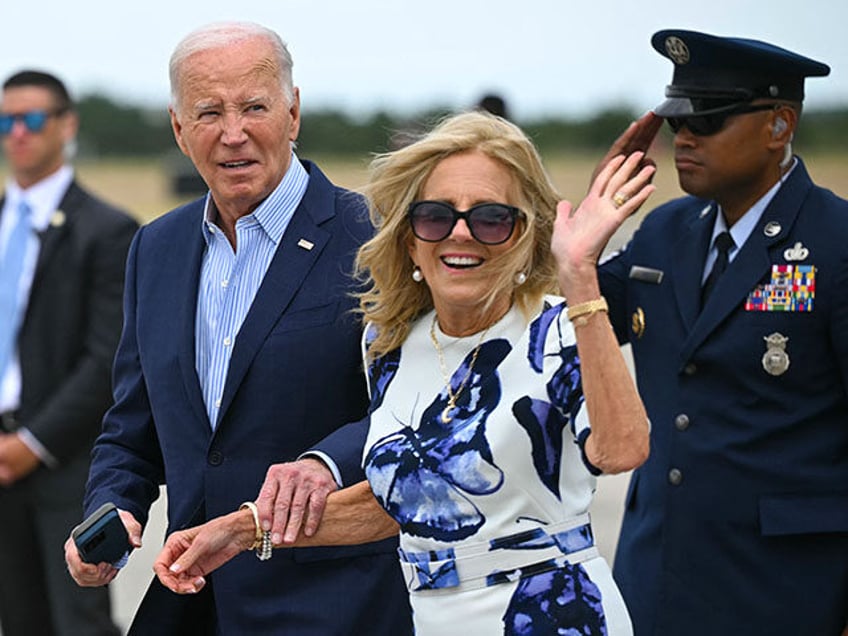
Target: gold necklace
453, 397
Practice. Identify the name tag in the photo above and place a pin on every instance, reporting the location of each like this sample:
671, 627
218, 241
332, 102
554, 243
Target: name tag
646, 274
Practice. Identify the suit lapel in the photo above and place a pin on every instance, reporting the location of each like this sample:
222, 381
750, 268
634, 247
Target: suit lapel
187, 284
689, 254
57, 228
753, 261
286, 273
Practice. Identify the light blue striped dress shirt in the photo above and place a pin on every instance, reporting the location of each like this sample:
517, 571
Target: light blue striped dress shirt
230, 279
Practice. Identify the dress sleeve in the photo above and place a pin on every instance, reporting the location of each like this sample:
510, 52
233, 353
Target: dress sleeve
565, 386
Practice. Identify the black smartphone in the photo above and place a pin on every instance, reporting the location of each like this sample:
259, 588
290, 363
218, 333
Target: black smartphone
102, 537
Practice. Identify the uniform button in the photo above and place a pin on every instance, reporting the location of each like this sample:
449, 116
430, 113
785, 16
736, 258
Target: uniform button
681, 422
675, 476
216, 458
690, 369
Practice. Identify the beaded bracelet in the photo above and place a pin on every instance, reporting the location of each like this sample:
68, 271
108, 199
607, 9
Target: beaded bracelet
262, 543
580, 314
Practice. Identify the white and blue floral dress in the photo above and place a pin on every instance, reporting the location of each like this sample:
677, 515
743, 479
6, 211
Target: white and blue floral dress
492, 505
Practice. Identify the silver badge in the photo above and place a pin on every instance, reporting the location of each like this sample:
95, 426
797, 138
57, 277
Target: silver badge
796, 253
775, 359
772, 229
705, 211
677, 50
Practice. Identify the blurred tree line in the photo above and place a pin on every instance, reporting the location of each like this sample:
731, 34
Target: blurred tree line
112, 129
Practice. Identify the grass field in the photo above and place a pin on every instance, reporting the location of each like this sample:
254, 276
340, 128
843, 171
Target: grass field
143, 187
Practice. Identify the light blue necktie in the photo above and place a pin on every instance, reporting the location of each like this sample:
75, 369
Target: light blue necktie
10, 276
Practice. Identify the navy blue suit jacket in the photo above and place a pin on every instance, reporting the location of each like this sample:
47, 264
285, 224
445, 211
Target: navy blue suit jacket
294, 377
738, 521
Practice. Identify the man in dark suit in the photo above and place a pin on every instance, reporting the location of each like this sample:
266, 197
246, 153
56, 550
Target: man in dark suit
240, 351
738, 521
62, 257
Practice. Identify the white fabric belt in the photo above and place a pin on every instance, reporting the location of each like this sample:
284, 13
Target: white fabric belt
499, 560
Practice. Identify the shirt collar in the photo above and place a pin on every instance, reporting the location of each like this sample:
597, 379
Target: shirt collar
43, 197
742, 229
275, 212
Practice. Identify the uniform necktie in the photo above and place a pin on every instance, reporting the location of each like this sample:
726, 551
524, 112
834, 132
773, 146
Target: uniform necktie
10, 276
723, 243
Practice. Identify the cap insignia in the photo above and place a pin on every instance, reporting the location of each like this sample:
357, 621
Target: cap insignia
677, 50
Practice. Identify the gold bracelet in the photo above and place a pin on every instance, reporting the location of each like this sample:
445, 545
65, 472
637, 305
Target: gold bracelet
262, 543
579, 314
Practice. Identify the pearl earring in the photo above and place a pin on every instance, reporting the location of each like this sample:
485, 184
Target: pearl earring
417, 276
520, 278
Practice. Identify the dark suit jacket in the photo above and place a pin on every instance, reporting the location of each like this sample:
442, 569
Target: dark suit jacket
72, 324
738, 521
294, 377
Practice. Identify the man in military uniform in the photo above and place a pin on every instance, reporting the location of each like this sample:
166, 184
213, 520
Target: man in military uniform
735, 302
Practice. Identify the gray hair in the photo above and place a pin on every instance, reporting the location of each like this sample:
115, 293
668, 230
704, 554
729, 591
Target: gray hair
222, 34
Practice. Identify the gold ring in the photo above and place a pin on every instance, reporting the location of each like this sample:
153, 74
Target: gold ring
620, 199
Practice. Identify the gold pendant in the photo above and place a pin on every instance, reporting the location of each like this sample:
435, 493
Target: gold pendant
446, 418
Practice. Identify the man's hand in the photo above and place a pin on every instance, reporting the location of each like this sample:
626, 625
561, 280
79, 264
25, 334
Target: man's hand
637, 138
294, 495
16, 459
97, 574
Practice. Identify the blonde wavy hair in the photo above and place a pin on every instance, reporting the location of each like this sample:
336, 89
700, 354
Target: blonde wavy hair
392, 301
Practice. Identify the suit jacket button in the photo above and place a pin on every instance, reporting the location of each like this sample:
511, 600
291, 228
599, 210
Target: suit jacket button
690, 369
216, 458
681, 422
675, 476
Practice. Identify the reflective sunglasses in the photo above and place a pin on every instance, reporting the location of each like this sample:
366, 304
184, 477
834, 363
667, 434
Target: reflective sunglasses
489, 223
34, 120
711, 123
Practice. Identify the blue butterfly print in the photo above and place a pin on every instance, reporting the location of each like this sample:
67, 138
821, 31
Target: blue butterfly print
381, 372
544, 426
544, 421
564, 389
538, 334
560, 601
422, 477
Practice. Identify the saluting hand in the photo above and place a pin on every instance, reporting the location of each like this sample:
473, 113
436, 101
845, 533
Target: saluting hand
638, 137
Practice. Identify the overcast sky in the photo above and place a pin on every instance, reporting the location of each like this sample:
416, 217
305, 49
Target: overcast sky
546, 57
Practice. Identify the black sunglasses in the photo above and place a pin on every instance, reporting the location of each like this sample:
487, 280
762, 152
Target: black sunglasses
489, 223
711, 123
34, 120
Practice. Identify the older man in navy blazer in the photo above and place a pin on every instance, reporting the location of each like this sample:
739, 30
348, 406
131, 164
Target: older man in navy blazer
735, 302
239, 351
